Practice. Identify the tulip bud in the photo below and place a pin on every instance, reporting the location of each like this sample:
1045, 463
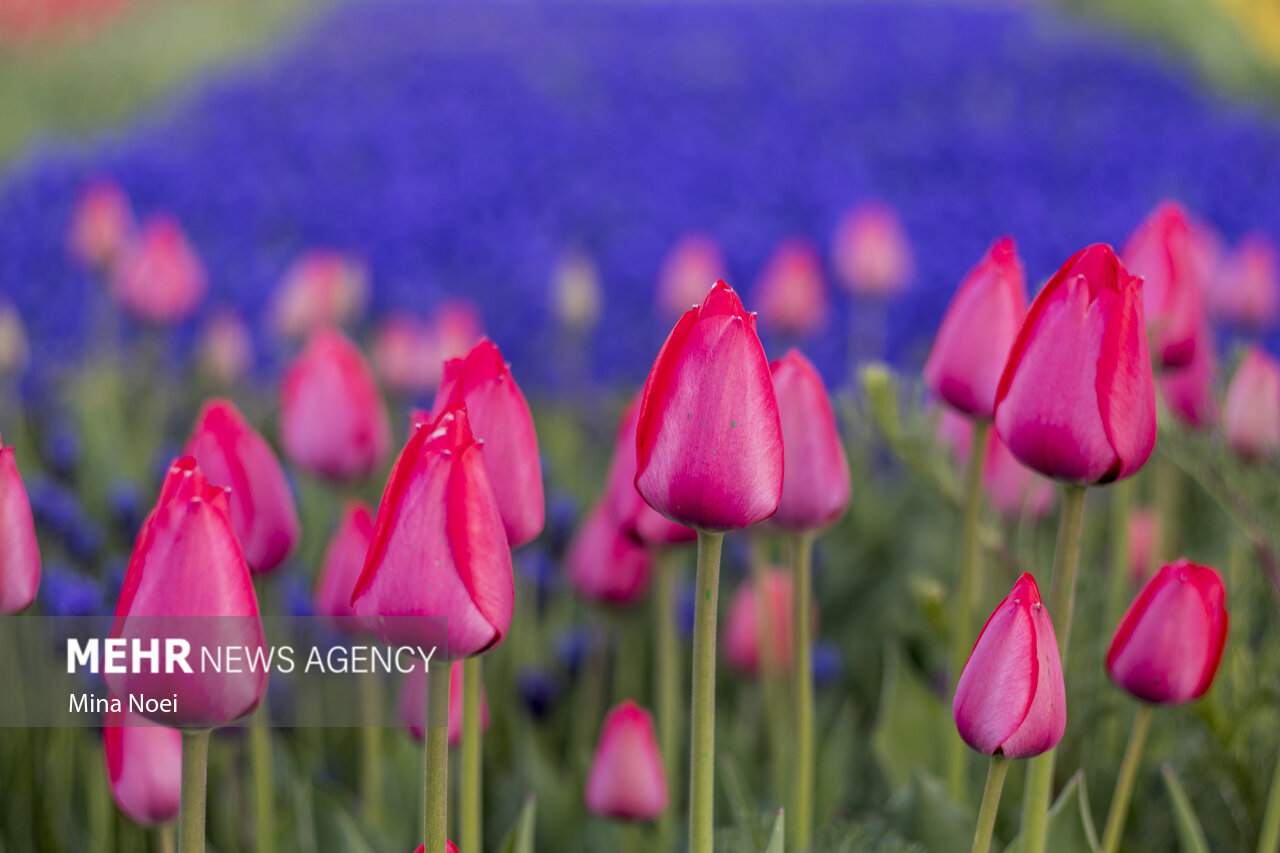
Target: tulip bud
575, 291
438, 572
19, 552
322, 288
188, 580
343, 562
1251, 414
692, 262
1167, 647
232, 454
972, 345
332, 419
742, 634
1144, 535
627, 780
606, 563
622, 500
405, 355
705, 458
1010, 698
502, 421
815, 482
871, 253
1076, 401
225, 351
101, 224
1245, 287
791, 292
160, 279
413, 703
456, 325
1162, 253
144, 767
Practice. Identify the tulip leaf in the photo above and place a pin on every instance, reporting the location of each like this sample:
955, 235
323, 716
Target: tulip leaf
519, 838
922, 812
909, 728
1190, 834
1071, 827
778, 841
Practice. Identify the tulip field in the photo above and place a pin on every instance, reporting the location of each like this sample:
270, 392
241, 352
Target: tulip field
641, 427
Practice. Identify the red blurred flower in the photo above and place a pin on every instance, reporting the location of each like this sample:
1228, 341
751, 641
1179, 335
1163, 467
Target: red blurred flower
691, 265
627, 781
1161, 251
101, 224
1245, 287
19, 551
815, 482
622, 500
144, 767
1251, 413
160, 279
606, 563
742, 634
791, 292
871, 253
343, 563
321, 288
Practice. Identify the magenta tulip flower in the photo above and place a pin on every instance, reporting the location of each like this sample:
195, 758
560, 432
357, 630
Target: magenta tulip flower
1245, 288
332, 419
502, 422
101, 224
160, 279
1011, 699
742, 634
621, 499
1144, 535
691, 263
1251, 414
705, 458
144, 767
413, 703
1161, 251
627, 781
1167, 647
232, 454
815, 483
606, 563
973, 342
406, 355
322, 288
188, 580
871, 253
343, 563
438, 572
1076, 401
1188, 391
791, 293
19, 552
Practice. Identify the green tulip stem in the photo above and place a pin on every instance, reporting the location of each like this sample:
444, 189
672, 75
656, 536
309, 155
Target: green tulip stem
1124, 782
1118, 583
370, 747
260, 760
772, 689
436, 757
668, 670
469, 835
1269, 837
195, 764
703, 725
801, 809
996, 771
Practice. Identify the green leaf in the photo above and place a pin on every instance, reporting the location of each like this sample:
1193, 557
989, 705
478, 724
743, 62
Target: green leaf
778, 841
1190, 834
908, 734
1071, 828
519, 838
922, 812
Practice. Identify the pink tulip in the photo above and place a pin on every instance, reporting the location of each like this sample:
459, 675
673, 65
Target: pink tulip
188, 580
706, 458
160, 279
438, 572
502, 421
332, 419
225, 351
791, 291
1076, 401
406, 355
742, 634
973, 342
232, 454
606, 563
1144, 536
1167, 647
19, 552
871, 253
627, 781
456, 325
322, 288
1188, 391
101, 224
343, 563
1245, 287
144, 767
1010, 698
1013, 489
621, 499
693, 263
815, 482
1161, 251
955, 433
1251, 414
413, 703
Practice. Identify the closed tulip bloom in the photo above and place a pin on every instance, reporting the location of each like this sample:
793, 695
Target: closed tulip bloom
627, 781
1076, 401
144, 767
322, 288
1167, 647
231, 453
501, 420
606, 563
413, 703
1245, 288
1251, 413
1144, 534
1010, 698
742, 634
1161, 251
225, 350
406, 355
815, 482
438, 572
972, 344
791, 292
187, 579
332, 419
871, 253
706, 458
19, 552
343, 563
622, 500
160, 279
1188, 391
101, 224
693, 263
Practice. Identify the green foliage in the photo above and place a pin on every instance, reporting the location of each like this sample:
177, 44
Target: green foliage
520, 838
778, 841
1071, 827
1190, 834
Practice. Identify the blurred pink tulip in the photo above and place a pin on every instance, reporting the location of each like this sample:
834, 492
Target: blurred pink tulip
225, 350
1013, 489
1144, 536
456, 325
407, 355
1161, 251
627, 780
815, 481
144, 767
606, 563
160, 279
1245, 287
343, 563
791, 292
413, 703
1188, 391
871, 253
321, 288
742, 633
19, 552
101, 224
690, 267
1251, 413
622, 500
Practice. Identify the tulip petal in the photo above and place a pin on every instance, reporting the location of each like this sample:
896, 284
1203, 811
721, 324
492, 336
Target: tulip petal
995, 689
1126, 389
